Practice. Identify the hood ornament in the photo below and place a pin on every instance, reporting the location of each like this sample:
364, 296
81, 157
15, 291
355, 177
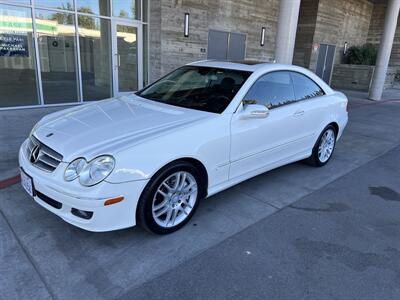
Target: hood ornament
35, 153
49, 134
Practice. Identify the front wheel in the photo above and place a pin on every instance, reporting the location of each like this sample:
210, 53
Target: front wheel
170, 199
323, 149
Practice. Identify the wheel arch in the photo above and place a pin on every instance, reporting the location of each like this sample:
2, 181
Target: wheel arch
195, 163
335, 126
192, 161
201, 168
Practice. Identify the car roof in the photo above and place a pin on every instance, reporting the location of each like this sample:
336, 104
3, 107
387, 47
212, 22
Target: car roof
260, 68
246, 65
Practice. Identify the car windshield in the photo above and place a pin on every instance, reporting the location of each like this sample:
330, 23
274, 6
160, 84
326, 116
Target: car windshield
202, 88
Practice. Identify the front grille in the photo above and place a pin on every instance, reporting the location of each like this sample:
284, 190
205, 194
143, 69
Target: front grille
42, 156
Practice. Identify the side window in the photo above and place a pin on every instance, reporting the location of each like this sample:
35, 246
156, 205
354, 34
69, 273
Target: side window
305, 88
272, 90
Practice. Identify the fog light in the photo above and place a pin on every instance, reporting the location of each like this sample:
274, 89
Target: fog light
82, 213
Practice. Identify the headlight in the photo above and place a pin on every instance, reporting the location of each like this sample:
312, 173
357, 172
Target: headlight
96, 170
74, 169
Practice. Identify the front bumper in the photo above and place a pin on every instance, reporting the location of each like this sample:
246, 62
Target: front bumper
72, 196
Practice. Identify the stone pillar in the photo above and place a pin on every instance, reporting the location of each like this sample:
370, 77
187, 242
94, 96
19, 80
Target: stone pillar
286, 32
385, 49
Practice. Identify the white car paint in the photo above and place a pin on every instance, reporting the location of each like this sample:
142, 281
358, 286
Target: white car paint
143, 136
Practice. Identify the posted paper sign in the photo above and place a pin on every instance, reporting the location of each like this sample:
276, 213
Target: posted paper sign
12, 44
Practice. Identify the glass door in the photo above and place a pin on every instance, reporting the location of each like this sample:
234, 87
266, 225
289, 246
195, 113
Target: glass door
127, 57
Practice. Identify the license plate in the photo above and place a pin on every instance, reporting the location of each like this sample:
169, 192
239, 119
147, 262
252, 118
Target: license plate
27, 183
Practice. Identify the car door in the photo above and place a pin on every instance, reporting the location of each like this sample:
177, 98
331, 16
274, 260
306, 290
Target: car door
310, 96
257, 143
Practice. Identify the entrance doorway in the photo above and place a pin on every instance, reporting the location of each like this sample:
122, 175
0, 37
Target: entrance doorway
326, 57
127, 60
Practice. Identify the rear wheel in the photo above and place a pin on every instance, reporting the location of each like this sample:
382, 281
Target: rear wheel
170, 199
323, 149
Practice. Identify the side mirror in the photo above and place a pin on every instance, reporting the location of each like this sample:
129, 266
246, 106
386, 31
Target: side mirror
254, 111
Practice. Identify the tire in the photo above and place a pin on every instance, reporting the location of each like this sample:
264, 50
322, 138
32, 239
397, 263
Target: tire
320, 158
162, 199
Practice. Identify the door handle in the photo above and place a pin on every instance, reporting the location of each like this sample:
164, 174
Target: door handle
118, 62
298, 113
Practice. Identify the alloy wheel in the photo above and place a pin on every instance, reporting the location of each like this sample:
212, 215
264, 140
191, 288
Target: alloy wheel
326, 145
174, 199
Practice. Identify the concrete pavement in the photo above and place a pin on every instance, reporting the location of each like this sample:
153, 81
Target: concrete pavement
42, 256
339, 242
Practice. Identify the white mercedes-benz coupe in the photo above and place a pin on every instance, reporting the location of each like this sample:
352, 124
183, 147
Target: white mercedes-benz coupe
148, 158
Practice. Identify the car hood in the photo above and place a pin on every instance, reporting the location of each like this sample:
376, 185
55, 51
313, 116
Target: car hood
108, 126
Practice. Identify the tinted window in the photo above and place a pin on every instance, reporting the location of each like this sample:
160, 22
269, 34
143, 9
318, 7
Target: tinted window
305, 88
272, 90
201, 88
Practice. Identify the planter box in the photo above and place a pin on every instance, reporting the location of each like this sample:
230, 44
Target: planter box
357, 77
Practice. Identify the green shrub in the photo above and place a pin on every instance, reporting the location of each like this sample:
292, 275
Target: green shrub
362, 55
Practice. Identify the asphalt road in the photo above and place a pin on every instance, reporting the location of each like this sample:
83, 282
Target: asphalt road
292, 233
340, 242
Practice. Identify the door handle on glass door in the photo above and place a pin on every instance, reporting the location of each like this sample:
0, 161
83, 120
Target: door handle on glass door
298, 113
118, 62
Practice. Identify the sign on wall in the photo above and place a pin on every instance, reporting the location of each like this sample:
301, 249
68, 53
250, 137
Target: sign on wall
12, 44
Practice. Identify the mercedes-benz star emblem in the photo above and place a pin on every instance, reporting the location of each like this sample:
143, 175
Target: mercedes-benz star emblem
35, 153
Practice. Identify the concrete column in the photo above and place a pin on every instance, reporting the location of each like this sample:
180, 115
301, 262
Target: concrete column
385, 49
286, 33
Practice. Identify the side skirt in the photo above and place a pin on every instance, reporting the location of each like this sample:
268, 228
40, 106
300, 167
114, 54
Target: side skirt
233, 181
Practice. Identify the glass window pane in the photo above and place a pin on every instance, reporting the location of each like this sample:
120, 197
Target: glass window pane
95, 51
128, 58
202, 88
17, 57
305, 88
60, 4
127, 9
56, 40
273, 90
19, 1
97, 7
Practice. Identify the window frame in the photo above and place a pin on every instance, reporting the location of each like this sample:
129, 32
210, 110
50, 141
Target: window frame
294, 91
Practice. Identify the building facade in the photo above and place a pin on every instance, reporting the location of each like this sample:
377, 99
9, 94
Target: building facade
56, 52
